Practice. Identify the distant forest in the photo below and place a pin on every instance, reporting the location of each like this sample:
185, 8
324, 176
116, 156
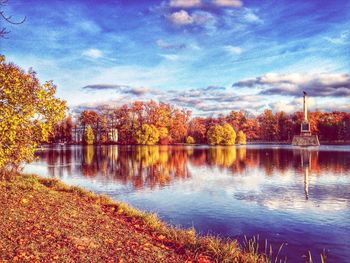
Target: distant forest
168, 125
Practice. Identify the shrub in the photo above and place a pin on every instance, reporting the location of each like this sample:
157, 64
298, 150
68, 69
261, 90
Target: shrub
190, 140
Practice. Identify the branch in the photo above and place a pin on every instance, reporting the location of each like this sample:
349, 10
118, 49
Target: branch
3, 32
8, 19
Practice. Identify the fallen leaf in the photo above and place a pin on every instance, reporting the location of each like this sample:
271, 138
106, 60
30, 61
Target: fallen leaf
161, 237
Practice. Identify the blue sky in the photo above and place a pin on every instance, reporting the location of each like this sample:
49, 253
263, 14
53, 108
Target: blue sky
211, 56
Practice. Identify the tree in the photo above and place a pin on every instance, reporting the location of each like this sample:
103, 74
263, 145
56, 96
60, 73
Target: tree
268, 126
124, 124
229, 135
163, 135
178, 127
89, 136
147, 135
198, 129
241, 138
190, 140
28, 111
62, 131
215, 135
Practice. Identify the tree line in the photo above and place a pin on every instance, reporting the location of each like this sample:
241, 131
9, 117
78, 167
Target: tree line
150, 122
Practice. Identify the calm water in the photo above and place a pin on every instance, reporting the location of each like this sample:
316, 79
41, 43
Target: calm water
296, 196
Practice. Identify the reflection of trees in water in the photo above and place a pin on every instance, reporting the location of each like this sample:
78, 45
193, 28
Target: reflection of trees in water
222, 156
141, 165
153, 166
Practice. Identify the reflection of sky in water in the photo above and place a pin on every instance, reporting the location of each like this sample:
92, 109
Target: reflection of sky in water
227, 191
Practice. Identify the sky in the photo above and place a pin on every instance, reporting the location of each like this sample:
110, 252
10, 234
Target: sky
209, 56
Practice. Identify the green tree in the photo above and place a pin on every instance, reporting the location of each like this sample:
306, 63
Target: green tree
229, 135
89, 136
147, 134
28, 111
215, 135
241, 138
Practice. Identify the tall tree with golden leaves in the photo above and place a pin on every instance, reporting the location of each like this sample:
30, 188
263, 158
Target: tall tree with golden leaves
28, 111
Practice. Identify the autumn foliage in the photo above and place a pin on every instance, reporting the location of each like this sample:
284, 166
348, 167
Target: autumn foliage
147, 135
89, 136
174, 125
241, 138
221, 135
29, 111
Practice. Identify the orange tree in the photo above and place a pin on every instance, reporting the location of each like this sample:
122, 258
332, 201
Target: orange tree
28, 111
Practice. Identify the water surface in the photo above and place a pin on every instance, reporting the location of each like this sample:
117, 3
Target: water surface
296, 196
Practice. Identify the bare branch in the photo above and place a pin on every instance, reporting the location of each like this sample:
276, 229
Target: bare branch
3, 32
8, 19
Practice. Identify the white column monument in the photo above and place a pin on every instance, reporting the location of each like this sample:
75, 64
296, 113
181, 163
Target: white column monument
305, 138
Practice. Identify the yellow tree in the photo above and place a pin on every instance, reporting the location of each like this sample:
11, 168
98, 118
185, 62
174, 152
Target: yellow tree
163, 132
89, 136
28, 111
147, 134
190, 140
215, 134
241, 138
229, 135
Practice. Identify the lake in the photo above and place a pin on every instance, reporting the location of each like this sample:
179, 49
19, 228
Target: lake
285, 194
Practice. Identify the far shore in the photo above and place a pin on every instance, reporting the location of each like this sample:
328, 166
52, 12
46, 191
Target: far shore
196, 144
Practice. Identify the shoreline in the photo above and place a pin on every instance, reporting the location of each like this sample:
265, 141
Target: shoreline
328, 143
41, 213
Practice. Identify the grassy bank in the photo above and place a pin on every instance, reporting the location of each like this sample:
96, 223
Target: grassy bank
45, 220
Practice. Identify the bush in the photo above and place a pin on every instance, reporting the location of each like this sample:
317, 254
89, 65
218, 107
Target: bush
190, 140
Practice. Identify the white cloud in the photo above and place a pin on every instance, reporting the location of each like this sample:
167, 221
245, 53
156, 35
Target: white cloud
251, 17
233, 50
321, 84
341, 40
185, 3
228, 3
171, 57
181, 18
292, 105
92, 53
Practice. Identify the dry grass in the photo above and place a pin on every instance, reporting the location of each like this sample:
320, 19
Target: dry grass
45, 219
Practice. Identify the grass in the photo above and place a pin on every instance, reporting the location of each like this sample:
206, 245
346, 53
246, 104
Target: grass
46, 220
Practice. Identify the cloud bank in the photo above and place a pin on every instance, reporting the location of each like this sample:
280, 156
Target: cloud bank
317, 85
123, 89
